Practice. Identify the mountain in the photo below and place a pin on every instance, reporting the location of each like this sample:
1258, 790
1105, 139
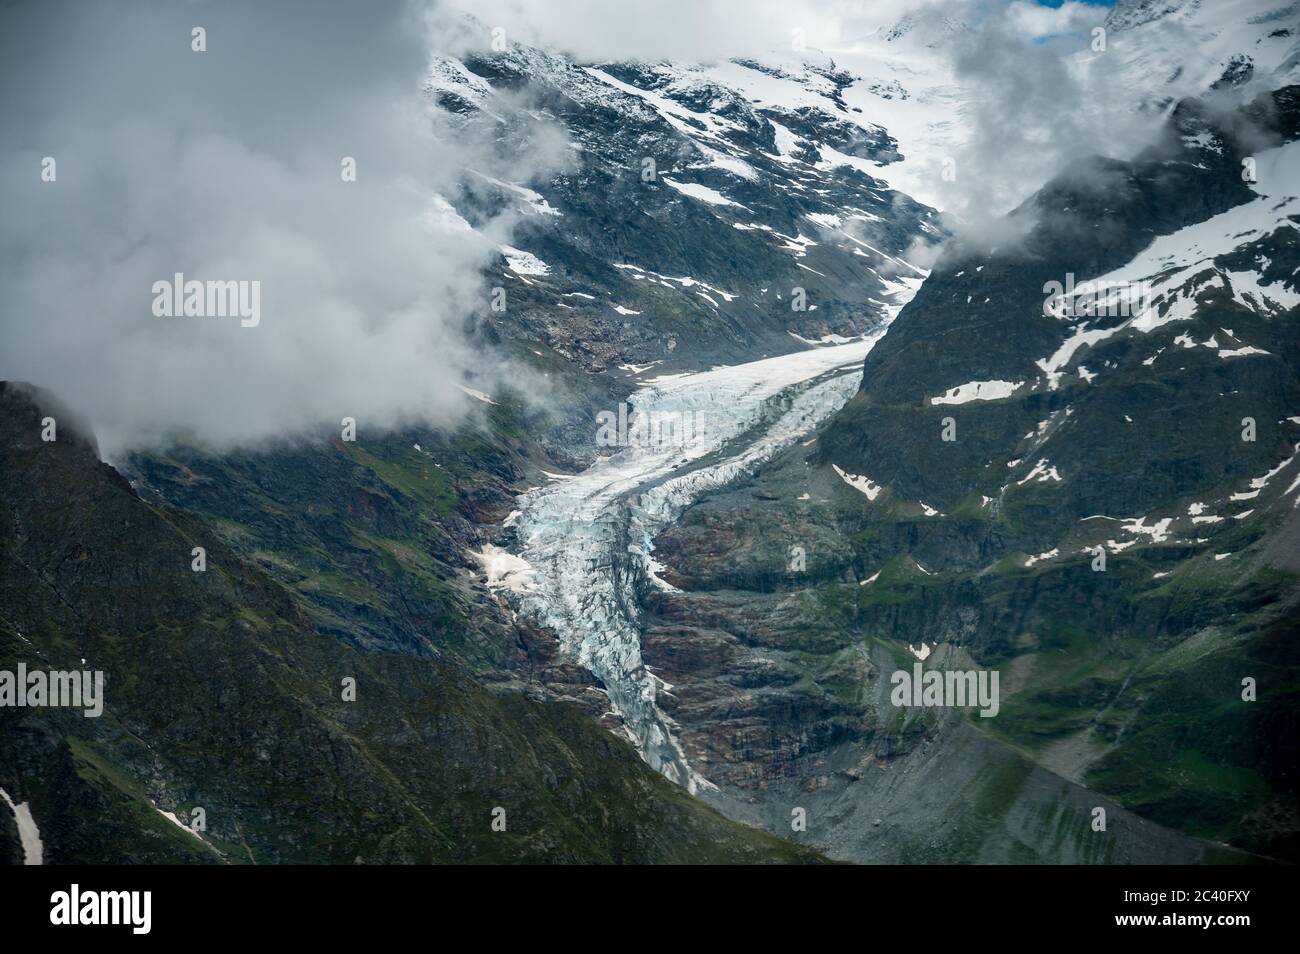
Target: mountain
225, 694
693, 200
1165, 436
697, 203
545, 623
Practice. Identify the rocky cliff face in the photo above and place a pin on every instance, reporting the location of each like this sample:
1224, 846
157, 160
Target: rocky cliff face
693, 204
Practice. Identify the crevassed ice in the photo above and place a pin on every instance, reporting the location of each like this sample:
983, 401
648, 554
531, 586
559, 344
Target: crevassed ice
588, 539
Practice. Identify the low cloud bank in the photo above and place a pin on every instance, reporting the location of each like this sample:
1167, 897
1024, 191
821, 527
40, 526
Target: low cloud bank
228, 165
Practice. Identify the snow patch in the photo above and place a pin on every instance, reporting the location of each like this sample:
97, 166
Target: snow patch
171, 817
28, 834
1041, 473
861, 484
1158, 531
978, 391
476, 395
524, 263
701, 192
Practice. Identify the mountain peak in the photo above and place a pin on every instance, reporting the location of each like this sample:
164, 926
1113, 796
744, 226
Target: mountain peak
926, 27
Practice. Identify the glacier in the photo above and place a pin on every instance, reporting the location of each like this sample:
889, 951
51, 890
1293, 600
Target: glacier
588, 539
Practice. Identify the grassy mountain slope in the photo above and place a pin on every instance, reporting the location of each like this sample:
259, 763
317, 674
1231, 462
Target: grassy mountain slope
221, 694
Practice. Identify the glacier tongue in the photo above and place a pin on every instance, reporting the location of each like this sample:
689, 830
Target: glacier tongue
588, 539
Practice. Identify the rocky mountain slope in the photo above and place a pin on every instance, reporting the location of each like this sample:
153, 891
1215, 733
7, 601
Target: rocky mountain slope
702, 213
692, 200
957, 508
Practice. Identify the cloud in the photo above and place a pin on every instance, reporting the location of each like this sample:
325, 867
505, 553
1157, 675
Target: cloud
1035, 20
225, 165
691, 30
1032, 110
1030, 107
705, 30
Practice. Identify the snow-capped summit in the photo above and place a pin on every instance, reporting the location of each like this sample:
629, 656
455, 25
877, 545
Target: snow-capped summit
926, 27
